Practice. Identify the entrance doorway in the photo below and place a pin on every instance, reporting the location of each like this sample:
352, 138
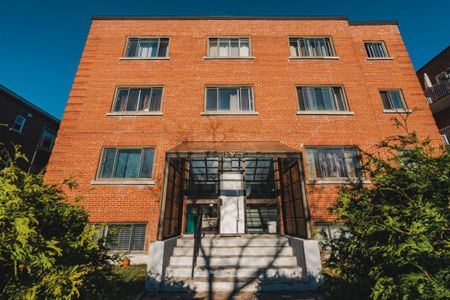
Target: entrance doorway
240, 193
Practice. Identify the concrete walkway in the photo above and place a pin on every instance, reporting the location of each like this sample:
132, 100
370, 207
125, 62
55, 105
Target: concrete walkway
239, 296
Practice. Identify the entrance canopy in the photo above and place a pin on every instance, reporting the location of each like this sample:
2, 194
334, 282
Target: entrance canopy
271, 149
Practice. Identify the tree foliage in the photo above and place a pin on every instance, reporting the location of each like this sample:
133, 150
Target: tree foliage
395, 242
46, 245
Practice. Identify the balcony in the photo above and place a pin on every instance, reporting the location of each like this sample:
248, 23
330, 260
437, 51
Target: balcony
445, 133
438, 96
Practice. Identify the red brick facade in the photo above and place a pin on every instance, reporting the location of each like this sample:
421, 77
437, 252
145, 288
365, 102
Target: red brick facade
86, 128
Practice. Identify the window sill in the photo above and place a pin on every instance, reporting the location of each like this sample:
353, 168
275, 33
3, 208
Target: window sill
123, 182
397, 111
121, 114
320, 112
229, 114
379, 58
144, 58
314, 57
337, 181
229, 57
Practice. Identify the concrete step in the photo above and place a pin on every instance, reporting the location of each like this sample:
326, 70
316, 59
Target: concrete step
257, 241
247, 272
229, 251
236, 261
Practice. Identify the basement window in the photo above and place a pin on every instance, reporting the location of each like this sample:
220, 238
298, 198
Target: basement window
124, 163
122, 237
147, 47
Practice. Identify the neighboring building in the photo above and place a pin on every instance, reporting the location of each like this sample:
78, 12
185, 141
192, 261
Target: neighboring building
435, 80
254, 120
23, 123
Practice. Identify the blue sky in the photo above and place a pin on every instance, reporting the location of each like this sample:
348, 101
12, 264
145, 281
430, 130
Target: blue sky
41, 41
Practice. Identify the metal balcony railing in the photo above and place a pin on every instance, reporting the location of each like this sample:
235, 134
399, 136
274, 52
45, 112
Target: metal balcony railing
438, 91
445, 133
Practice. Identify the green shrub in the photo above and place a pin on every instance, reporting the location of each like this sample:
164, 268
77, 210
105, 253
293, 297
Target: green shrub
395, 242
46, 245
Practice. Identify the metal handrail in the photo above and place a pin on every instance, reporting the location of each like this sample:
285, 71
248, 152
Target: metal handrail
197, 240
438, 91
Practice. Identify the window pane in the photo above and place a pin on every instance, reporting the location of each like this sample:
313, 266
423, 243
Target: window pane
352, 162
119, 237
244, 47
301, 101
108, 163
147, 164
138, 237
245, 99
131, 48
121, 100
293, 47
156, 99
234, 50
153, 44
329, 47
303, 47
340, 100
48, 138
213, 47
310, 162
163, 45
143, 48
328, 99
330, 163
385, 100
144, 100
128, 161
223, 47
318, 95
211, 99
133, 99
228, 99
396, 100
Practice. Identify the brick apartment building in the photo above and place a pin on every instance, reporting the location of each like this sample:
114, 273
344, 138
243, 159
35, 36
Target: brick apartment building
434, 77
22, 123
255, 121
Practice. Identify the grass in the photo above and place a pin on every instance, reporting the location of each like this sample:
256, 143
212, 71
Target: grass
131, 281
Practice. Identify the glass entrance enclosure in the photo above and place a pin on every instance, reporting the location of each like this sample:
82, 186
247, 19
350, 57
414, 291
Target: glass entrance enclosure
237, 194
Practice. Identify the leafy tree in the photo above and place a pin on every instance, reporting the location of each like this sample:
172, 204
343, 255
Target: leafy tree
46, 245
395, 242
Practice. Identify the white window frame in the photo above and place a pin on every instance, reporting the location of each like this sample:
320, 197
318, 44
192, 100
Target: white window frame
383, 44
333, 49
112, 112
21, 123
208, 47
229, 112
124, 54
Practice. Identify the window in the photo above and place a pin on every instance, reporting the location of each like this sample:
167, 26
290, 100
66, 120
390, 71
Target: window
393, 100
311, 47
19, 123
47, 140
123, 237
376, 50
127, 163
326, 98
138, 99
147, 47
333, 162
229, 99
228, 47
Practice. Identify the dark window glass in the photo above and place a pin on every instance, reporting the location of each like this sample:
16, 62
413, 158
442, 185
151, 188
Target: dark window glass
163, 45
138, 99
47, 140
127, 163
211, 99
19, 123
131, 48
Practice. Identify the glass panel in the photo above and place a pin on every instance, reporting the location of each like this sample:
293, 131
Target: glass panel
121, 100
133, 99
223, 47
385, 100
211, 99
396, 99
328, 99
147, 164
293, 46
213, 50
310, 157
131, 48
128, 161
340, 100
234, 47
351, 161
329, 47
331, 163
119, 236
156, 99
227, 96
108, 163
244, 47
144, 48
245, 99
144, 100
153, 51
138, 237
303, 47
163, 45
319, 100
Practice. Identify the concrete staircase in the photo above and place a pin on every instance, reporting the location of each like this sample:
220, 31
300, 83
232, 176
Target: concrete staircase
244, 263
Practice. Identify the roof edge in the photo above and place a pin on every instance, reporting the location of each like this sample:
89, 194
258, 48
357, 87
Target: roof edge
28, 103
316, 17
433, 58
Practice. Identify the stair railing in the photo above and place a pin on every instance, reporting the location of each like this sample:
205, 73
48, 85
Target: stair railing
197, 240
